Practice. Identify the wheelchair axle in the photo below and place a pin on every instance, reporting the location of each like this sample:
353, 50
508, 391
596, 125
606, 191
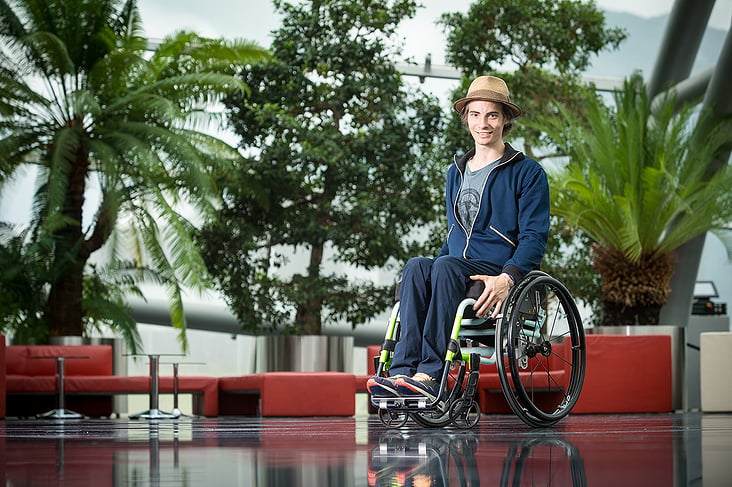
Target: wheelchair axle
534, 349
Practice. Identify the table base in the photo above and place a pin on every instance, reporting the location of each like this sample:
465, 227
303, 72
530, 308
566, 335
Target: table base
154, 414
60, 414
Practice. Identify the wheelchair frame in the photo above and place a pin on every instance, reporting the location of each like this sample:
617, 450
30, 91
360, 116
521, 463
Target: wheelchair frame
538, 323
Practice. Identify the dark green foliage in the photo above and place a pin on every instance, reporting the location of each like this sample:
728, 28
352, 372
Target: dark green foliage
540, 47
341, 162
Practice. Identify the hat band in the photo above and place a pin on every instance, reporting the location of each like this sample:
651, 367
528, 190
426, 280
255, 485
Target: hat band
490, 94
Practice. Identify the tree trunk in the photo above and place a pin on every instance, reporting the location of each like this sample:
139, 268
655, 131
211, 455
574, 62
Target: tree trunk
65, 313
308, 315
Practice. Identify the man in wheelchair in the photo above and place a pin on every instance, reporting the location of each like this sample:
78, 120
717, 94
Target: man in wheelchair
497, 202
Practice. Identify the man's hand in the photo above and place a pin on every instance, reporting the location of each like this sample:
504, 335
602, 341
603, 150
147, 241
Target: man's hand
495, 293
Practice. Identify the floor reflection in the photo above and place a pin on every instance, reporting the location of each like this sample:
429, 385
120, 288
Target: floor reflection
676, 449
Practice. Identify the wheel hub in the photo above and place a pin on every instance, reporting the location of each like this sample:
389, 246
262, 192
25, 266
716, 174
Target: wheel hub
544, 348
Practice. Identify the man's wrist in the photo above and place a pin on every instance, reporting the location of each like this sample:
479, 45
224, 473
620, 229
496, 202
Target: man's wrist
508, 278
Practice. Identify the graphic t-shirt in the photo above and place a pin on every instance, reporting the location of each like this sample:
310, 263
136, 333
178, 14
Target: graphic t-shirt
470, 191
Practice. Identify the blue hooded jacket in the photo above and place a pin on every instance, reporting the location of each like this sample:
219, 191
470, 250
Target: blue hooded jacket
512, 224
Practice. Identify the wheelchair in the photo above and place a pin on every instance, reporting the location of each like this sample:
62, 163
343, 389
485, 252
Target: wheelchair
536, 342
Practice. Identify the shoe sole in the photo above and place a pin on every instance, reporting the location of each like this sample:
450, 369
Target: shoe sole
412, 390
379, 390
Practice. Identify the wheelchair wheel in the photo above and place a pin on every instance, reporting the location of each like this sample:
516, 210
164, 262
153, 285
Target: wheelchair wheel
393, 418
541, 349
544, 461
465, 413
432, 419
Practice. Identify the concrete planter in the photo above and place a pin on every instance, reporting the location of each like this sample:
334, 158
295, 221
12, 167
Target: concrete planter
306, 353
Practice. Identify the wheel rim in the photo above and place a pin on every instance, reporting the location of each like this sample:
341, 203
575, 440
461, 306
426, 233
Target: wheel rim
545, 346
392, 418
465, 414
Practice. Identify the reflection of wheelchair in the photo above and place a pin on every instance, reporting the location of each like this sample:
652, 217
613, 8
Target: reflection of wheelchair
429, 457
424, 459
544, 461
537, 344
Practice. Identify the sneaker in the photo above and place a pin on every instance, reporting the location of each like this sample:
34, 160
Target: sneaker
380, 387
421, 385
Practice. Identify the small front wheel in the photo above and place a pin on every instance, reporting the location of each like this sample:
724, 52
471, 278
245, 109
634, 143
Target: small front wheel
465, 413
393, 418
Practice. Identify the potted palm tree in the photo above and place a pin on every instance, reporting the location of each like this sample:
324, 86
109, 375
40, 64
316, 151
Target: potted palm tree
642, 179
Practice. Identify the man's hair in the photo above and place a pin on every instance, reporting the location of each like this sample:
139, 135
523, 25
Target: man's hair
507, 116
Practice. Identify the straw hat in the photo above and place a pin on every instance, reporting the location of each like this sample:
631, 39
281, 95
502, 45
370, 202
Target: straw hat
488, 88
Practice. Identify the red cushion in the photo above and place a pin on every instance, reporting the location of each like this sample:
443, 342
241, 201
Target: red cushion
308, 394
250, 382
299, 393
18, 384
208, 386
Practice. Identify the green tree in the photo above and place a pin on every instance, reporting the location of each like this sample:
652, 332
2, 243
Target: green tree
122, 141
341, 151
640, 182
540, 47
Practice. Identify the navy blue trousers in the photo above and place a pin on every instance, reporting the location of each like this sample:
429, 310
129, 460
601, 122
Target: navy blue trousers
429, 294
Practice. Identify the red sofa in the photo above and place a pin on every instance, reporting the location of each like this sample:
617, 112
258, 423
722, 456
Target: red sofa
31, 383
624, 374
288, 394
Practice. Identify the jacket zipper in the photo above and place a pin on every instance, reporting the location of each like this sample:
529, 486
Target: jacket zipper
480, 202
449, 232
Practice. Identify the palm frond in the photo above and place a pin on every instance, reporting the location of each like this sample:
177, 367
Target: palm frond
82, 100
639, 181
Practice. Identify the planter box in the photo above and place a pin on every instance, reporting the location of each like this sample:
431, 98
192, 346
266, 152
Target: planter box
303, 353
627, 374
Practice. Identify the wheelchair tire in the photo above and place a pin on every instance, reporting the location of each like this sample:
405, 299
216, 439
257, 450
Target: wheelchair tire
465, 413
431, 419
393, 418
540, 346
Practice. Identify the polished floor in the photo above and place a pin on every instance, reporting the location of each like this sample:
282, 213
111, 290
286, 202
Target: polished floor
683, 449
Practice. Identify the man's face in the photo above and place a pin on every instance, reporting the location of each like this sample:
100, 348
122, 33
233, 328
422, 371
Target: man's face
485, 121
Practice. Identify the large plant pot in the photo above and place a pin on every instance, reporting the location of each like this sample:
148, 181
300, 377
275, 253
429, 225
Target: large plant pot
677, 352
307, 353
